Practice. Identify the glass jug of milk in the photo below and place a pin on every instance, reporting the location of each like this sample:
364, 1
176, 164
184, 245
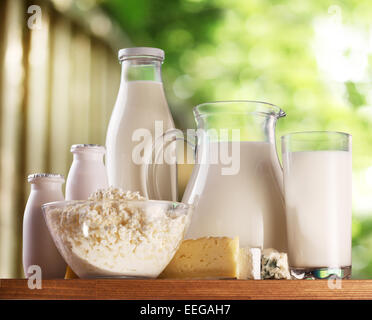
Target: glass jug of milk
237, 182
140, 110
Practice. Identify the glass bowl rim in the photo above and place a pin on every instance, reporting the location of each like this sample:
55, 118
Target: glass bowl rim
142, 202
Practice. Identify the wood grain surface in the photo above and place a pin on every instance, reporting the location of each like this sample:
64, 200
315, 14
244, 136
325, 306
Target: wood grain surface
118, 289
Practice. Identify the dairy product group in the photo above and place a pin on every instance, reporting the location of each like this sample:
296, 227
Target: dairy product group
239, 222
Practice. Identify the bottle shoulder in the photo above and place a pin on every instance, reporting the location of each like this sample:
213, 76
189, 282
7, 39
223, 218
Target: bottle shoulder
40, 197
141, 94
139, 105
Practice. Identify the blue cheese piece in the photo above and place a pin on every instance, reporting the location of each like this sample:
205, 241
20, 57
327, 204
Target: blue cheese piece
274, 265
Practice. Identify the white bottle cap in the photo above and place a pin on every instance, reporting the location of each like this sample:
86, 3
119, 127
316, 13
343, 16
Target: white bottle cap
141, 52
50, 176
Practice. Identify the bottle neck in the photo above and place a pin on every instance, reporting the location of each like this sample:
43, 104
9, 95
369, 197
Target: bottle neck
141, 69
52, 186
88, 156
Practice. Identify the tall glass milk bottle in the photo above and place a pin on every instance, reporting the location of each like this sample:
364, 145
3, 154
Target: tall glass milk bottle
38, 245
141, 106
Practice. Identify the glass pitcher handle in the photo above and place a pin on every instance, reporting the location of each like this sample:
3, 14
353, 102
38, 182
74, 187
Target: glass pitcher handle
161, 147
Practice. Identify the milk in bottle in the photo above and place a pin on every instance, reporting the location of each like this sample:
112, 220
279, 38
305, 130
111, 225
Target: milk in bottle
87, 173
38, 246
141, 103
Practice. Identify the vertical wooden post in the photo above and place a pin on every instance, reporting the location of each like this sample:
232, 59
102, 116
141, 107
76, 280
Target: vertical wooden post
11, 126
59, 141
80, 88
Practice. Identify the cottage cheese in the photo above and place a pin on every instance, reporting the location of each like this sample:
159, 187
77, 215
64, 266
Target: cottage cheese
117, 238
115, 194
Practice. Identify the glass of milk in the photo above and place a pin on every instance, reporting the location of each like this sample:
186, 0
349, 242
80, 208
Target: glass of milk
317, 188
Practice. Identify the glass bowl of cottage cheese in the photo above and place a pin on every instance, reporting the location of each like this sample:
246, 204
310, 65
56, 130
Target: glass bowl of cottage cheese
117, 234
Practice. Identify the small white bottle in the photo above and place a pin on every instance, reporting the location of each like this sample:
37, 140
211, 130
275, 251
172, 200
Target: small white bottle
87, 173
38, 246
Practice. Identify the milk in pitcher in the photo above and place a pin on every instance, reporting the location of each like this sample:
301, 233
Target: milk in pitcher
248, 204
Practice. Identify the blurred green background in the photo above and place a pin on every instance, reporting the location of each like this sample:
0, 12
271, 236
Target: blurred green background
311, 58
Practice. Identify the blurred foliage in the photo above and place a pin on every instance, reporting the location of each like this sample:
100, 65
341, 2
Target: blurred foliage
312, 58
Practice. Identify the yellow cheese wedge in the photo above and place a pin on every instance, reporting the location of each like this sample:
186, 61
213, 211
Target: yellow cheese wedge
70, 274
211, 257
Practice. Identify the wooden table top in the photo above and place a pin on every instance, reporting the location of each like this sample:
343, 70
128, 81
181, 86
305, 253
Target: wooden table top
157, 289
